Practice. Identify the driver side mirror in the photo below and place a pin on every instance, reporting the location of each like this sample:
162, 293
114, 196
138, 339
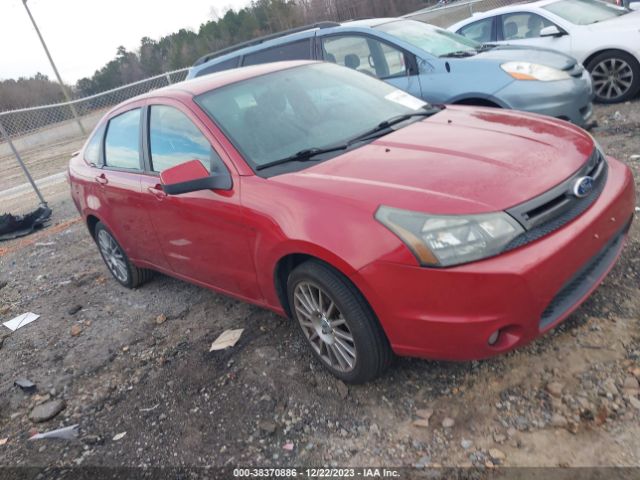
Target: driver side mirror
193, 176
552, 31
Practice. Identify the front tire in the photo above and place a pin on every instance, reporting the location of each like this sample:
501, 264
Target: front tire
337, 323
616, 76
126, 273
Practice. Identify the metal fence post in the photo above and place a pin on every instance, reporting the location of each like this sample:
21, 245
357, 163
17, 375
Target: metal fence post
24, 167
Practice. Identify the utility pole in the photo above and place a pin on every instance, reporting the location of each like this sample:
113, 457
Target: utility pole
55, 70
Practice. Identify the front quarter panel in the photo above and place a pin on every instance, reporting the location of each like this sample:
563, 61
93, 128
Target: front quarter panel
291, 220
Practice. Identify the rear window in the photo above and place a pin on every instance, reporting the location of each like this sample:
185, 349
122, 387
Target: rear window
300, 50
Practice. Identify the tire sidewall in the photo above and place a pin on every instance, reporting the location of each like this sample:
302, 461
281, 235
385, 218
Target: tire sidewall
129, 283
635, 67
355, 317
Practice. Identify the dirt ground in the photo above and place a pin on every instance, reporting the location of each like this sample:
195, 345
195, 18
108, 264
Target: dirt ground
138, 362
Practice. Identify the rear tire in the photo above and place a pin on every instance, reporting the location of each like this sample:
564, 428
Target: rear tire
126, 273
337, 323
616, 76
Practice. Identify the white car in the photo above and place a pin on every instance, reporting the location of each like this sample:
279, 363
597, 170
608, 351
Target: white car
605, 38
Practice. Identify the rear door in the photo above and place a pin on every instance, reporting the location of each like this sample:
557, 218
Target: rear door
374, 57
119, 199
202, 234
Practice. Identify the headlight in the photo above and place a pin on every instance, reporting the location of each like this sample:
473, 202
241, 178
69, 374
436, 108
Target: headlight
533, 71
445, 240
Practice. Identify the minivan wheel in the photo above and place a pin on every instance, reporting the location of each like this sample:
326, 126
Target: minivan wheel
616, 76
337, 323
117, 261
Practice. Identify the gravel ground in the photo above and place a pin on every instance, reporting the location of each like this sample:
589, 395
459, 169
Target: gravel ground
133, 369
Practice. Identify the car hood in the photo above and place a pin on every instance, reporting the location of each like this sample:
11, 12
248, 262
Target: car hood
461, 160
542, 56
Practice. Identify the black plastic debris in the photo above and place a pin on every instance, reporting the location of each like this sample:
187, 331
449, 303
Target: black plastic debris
26, 385
14, 226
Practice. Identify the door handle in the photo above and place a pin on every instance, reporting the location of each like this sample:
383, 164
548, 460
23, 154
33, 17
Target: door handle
102, 179
157, 192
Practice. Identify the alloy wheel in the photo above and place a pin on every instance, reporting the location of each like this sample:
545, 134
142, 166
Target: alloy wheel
113, 256
612, 78
324, 326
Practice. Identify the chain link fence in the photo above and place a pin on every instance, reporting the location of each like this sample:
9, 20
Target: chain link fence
44, 137
446, 15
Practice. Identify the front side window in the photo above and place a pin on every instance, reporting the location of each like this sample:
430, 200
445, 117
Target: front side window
365, 55
122, 144
273, 116
518, 26
92, 151
433, 40
291, 51
174, 139
479, 31
585, 12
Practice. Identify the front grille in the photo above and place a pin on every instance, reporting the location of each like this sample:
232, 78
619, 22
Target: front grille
557, 207
582, 281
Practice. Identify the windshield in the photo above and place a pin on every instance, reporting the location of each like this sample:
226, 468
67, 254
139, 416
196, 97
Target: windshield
585, 12
274, 116
431, 39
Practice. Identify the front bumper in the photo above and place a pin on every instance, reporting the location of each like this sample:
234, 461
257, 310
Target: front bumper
450, 313
566, 99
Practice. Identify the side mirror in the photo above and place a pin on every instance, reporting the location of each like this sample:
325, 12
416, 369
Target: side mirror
552, 31
192, 176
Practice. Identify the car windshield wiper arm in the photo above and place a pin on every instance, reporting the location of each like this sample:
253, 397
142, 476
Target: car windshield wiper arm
310, 153
387, 124
303, 155
486, 46
460, 53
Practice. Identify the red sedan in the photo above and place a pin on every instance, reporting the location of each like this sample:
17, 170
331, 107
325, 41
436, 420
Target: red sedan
378, 222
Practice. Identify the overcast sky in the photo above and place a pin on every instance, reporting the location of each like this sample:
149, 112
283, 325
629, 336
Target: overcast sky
82, 35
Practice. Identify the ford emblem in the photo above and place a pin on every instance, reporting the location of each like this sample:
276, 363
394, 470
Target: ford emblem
583, 187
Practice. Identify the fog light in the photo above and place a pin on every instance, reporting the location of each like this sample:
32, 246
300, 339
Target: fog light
494, 337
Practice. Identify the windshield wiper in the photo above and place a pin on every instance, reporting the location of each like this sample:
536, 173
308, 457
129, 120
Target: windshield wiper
303, 156
486, 46
310, 153
387, 124
460, 54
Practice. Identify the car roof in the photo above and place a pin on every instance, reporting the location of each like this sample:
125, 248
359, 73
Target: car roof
199, 85
506, 9
285, 37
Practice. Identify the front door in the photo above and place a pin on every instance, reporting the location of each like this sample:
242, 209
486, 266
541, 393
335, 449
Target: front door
373, 57
202, 234
523, 28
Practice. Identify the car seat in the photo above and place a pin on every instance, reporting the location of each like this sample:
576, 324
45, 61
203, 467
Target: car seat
510, 31
352, 60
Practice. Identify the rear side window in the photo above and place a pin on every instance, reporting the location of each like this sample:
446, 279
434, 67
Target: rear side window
122, 144
92, 151
174, 139
300, 50
219, 67
479, 31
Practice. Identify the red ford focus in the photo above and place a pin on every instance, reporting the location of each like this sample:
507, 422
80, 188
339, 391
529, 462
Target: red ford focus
378, 222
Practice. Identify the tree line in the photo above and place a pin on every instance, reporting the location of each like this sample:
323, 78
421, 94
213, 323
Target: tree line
182, 48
